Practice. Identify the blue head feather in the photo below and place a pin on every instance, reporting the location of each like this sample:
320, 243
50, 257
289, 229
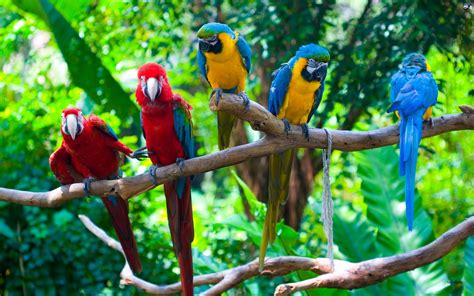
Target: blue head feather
313, 51
210, 29
414, 60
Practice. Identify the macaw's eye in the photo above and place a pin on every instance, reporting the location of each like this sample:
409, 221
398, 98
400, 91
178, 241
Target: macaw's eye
311, 66
212, 40
143, 85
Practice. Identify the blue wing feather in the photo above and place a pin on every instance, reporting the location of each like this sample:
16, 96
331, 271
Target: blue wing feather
279, 88
417, 93
102, 126
396, 84
201, 59
245, 52
184, 131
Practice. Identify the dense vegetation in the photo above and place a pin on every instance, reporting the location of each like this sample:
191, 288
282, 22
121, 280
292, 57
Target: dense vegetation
57, 53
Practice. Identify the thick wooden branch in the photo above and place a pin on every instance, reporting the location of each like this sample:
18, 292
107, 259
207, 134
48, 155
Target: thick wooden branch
275, 141
346, 275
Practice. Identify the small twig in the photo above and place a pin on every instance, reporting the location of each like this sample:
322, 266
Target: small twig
275, 141
346, 275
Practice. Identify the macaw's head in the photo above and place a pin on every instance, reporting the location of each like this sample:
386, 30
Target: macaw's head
72, 123
415, 60
209, 40
153, 86
317, 59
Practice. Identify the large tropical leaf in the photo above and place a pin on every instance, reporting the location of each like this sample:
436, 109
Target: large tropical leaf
383, 192
468, 277
355, 239
86, 69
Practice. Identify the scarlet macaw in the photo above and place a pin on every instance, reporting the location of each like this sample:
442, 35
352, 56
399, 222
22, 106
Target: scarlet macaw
91, 150
224, 60
413, 94
295, 94
167, 127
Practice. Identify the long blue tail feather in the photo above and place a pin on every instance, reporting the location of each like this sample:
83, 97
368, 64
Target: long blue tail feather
403, 124
408, 159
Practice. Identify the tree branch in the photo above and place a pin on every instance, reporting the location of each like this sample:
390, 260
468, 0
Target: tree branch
275, 141
346, 275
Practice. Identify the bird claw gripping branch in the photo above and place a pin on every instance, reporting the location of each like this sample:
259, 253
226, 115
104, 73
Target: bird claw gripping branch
87, 185
305, 130
287, 125
218, 93
152, 173
246, 100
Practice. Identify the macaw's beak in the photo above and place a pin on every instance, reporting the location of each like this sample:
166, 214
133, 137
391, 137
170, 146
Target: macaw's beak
204, 46
153, 88
72, 127
207, 44
319, 73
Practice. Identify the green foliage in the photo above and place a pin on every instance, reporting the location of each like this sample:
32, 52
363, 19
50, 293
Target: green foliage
468, 278
383, 192
87, 71
91, 63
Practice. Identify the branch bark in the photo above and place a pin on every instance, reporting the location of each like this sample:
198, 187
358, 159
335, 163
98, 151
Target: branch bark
276, 140
346, 275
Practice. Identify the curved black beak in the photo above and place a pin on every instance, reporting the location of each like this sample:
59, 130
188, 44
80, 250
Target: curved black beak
204, 45
319, 73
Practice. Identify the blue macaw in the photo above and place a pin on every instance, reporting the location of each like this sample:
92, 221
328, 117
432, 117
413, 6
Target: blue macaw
413, 94
224, 60
295, 94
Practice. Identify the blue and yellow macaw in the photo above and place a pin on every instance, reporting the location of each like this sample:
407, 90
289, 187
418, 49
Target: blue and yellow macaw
295, 94
224, 59
413, 94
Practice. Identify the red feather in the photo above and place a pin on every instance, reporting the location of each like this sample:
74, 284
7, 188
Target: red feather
162, 141
180, 219
95, 153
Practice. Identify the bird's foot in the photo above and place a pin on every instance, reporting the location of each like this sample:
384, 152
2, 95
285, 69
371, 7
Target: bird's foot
431, 122
180, 163
141, 153
305, 129
152, 173
246, 100
87, 185
287, 126
218, 93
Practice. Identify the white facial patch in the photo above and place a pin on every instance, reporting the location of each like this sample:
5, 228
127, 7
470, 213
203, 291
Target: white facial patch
72, 124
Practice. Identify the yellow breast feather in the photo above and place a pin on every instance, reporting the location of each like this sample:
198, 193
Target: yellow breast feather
226, 69
300, 96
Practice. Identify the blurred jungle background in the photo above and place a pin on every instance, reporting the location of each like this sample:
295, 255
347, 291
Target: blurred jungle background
57, 53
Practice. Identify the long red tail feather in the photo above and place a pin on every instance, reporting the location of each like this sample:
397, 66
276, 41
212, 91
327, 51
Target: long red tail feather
180, 218
118, 212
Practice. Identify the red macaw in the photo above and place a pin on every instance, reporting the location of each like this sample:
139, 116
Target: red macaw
167, 127
91, 150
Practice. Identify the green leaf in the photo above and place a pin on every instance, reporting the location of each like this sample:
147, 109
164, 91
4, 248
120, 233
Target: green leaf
239, 222
468, 277
353, 235
383, 191
86, 69
6, 230
255, 205
355, 238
